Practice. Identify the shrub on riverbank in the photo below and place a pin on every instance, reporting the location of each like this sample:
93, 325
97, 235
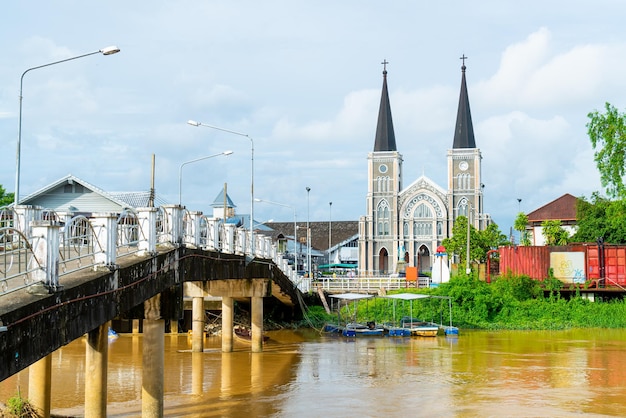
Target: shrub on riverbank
510, 302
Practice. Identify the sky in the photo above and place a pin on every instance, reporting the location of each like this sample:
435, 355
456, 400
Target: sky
303, 81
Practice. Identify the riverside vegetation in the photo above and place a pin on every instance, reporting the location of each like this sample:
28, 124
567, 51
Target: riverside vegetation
510, 302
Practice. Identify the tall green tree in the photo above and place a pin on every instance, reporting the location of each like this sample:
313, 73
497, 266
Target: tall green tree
5, 198
554, 233
607, 132
520, 225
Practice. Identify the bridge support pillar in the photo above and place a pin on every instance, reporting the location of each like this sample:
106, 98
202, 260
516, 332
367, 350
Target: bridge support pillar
227, 323
197, 325
257, 324
96, 366
39, 385
152, 359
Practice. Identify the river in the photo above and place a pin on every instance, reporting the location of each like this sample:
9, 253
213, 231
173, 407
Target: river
305, 374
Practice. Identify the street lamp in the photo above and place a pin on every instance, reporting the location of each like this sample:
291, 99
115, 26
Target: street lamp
308, 234
109, 50
180, 173
295, 229
195, 123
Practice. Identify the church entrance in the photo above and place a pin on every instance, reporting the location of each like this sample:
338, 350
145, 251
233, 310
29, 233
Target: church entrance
423, 260
383, 261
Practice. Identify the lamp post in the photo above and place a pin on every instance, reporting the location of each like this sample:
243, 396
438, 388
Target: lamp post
295, 229
110, 50
308, 234
180, 173
195, 123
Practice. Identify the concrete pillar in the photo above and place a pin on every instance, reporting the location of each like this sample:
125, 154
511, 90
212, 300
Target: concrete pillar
39, 385
147, 230
105, 227
197, 325
197, 373
153, 359
136, 326
256, 373
174, 223
45, 242
227, 324
25, 214
96, 366
257, 324
173, 326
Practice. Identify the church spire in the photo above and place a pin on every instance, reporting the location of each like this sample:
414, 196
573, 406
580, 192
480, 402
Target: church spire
463, 130
385, 137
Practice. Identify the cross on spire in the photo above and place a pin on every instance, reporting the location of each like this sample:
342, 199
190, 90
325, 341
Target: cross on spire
384, 63
463, 57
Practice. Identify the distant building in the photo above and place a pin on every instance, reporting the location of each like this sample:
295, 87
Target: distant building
71, 194
403, 226
561, 209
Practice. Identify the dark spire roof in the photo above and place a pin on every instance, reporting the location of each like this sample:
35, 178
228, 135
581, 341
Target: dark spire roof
385, 137
463, 130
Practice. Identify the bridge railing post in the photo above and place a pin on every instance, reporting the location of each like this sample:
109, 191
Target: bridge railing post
24, 216
45, 244
228, 246
105, 227
173, 223
147, 218
213, 234
194, 228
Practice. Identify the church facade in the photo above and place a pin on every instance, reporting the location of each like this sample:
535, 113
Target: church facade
404, 225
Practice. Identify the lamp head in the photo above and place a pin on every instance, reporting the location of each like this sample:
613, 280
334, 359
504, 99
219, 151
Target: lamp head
110, 50
227, 152
193, 123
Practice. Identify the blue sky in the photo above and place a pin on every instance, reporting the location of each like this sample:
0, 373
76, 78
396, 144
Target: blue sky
303, 79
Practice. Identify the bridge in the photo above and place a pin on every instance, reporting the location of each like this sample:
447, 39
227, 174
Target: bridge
64, 276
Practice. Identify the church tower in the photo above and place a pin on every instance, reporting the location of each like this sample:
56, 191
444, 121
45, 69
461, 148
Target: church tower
465, 187
378, 230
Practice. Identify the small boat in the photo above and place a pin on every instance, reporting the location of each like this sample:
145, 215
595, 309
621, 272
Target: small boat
353, 329
419, 328
415, 327
244, 334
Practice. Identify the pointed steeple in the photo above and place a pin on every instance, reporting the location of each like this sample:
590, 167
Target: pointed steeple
385, 137
463, 130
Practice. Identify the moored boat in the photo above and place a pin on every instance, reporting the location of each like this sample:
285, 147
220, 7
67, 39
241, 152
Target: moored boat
353, 328
244, 334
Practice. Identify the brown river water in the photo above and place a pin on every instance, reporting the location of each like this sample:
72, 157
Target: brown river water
305, 374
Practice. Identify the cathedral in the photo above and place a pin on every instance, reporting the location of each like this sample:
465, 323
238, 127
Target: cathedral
404, 226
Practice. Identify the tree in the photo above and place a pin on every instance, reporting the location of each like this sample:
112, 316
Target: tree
5, 198
554, 233
480, 241
520, 225
607, 132
600, 217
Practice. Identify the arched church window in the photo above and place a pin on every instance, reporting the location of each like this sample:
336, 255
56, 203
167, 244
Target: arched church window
405, 229
382, 215
439, 228
463, 208
422, 211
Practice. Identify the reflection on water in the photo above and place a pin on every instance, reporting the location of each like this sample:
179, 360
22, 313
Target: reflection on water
506, 373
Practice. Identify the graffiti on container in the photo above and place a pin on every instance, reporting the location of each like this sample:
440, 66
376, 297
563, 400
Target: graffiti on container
568, 267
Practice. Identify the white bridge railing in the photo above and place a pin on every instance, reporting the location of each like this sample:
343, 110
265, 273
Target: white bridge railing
39, 246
